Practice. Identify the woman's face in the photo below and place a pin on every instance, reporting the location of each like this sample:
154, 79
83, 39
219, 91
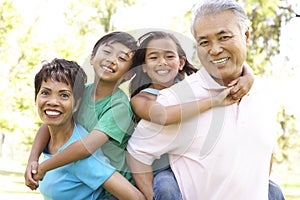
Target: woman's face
162, 61
55, 103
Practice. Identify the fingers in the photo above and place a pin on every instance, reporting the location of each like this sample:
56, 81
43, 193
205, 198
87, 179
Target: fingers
232, 83
237, 92
34, 167
38, 176
28, 175
30, 182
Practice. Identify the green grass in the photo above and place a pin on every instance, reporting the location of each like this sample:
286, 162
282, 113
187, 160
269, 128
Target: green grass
12, 184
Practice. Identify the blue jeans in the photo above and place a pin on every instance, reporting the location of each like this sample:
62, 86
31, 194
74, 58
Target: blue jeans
275, 193
165, 186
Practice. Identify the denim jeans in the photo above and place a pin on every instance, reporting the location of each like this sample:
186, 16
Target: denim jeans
165, 186
275, 193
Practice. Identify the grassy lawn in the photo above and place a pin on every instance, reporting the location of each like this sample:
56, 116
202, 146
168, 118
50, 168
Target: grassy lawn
12, 185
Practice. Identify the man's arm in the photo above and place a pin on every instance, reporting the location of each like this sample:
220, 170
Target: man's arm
142, 175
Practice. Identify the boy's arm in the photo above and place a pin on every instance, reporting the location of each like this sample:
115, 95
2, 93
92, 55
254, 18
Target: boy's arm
40, 142
76, 151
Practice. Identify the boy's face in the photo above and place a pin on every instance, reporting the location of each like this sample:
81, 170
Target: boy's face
111, 61
55, 103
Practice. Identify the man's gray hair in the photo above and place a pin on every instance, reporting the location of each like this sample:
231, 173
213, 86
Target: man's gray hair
208, 7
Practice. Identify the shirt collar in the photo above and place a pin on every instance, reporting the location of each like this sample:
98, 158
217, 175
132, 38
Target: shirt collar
208, 81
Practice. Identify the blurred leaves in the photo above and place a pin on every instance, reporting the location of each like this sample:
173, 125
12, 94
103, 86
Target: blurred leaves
23, 46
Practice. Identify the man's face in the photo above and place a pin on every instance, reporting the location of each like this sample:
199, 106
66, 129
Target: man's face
221, 45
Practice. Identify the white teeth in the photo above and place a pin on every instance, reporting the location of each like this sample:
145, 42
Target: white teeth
162, 71
106, 68
219, 61
53, 113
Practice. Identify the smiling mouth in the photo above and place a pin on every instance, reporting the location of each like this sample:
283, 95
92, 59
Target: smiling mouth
52, 113
162, 71
108, 69
220, 61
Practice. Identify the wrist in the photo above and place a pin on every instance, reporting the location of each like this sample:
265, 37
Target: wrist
42, 168
215, 102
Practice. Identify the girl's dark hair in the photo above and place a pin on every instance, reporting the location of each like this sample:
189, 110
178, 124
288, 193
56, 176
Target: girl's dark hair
141, 80
65, 71
118, 36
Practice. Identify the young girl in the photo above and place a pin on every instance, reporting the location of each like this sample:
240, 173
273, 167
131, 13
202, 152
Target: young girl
159, 63
104, 111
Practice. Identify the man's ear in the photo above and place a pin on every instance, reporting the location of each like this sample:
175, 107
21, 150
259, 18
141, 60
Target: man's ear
247, 35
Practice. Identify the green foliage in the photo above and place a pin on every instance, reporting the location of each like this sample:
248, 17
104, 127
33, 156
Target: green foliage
8, 18
267, 17
287, 139
92, 15
85, 18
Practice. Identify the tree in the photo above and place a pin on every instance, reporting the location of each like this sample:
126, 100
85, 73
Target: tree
89, 15
267, 18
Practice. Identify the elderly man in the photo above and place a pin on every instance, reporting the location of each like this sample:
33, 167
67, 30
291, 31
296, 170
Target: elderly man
224, 153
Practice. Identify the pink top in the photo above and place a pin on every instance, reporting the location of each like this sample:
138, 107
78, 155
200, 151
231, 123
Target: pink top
223, 153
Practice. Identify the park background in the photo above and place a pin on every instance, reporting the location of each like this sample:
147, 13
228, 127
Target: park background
35, 30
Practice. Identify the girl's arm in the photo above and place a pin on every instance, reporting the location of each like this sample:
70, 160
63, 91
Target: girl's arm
40, 142
76, 151
148, 109
242, 85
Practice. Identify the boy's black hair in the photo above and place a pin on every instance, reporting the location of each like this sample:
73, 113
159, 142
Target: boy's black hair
117, 36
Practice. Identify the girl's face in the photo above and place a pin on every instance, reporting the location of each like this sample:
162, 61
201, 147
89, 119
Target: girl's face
111, 61
162, 62
55, 103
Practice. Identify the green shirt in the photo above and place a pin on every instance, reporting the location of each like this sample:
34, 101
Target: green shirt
112, 116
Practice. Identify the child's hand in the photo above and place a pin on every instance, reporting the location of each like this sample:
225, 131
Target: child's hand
224, 98
240, 86
30, 171
39, 175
